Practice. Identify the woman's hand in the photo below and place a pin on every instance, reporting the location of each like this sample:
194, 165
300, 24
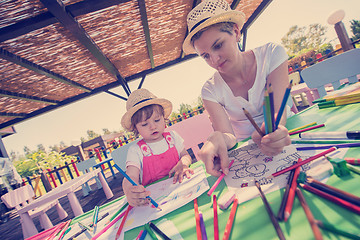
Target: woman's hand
215, 155
180, 170
272, 143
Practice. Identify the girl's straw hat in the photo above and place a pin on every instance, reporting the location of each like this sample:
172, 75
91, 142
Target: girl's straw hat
141, 98
208, 13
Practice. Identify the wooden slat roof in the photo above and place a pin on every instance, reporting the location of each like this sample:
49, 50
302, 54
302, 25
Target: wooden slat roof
55, 52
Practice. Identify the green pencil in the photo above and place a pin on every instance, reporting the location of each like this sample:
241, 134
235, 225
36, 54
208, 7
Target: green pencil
353, 168
331, 228
150, 232
118, 211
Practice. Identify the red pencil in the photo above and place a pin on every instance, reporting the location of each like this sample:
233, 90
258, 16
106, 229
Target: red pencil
122, 223
302, 163
291, 196
336, 200
197, 219
218, 180
352, 161
216, 223
307, 129
231, 220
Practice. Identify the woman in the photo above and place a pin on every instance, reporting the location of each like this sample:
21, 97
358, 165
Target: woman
240, 82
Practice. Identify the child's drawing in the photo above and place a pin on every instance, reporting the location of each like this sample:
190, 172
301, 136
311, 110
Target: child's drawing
250, 163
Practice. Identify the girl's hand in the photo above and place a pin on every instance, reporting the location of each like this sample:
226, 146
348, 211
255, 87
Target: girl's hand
137, 196
180, 170
272, 143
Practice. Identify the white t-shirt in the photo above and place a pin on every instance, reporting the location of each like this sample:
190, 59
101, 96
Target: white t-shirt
268, 58
135, 156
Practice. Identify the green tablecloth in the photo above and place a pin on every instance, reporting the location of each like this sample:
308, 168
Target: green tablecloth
251, 220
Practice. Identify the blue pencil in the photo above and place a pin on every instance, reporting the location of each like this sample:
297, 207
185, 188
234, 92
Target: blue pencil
283, 104
133, 183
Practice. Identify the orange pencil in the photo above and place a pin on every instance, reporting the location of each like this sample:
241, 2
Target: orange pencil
197, 219
229, 223
291, 196
216, 222
122, 223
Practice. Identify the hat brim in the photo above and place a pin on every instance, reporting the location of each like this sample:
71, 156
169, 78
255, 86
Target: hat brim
231, 16
126, 119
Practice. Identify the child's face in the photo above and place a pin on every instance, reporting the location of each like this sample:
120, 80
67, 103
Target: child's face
151, 129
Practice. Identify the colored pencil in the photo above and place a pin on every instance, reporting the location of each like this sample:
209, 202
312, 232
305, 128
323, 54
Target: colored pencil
280, 215
353, 168
161, 233
267, 114
266, 123
270, 212
302, 127
336, 200
83, 226
290, 200
343, 145
134, 184
253, 123
118, 233
307, 129
216, 221
202, 226
333, 191
303, 162
117, 212
272, 107
139, 235
230, 221
143, 235
150, 232
95, 218
352, 161
309, 215
218, 180
197, 219
283, 104
333, 229
109, 225
300, 141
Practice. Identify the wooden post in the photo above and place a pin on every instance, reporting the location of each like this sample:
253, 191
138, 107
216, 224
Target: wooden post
69, 170
63, 174
58, 175
75, 168
45, 181
37, 185
52, 178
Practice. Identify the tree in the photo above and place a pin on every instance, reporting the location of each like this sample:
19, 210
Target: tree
355, 29
91, 134
106, 131
300, 38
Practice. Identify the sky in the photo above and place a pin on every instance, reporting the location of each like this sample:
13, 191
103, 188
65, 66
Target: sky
179, 84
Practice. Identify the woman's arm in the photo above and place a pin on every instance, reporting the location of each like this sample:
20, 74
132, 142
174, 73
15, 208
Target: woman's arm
273, 143
214, 151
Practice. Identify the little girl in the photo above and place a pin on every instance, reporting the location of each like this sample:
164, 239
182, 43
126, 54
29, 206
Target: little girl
158, 153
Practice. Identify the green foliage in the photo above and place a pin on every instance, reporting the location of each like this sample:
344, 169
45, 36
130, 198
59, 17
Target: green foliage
322, 49
37, 160
92, 134
355, 29
304, 38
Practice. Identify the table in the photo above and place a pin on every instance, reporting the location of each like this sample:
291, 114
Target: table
251, 220
66, 189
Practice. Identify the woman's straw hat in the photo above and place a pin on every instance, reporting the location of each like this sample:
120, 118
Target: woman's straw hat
141, 98
208, 13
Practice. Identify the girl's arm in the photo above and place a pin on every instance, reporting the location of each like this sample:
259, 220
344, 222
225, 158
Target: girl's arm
135, 195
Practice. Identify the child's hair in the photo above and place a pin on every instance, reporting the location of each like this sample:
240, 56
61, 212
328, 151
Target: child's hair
223, 27
144, 114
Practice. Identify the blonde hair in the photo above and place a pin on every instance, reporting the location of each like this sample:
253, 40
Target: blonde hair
223, 27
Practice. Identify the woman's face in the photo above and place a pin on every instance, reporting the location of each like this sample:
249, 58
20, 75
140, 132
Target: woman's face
219, 49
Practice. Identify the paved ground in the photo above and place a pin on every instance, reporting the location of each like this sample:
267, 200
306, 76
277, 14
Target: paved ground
11, 230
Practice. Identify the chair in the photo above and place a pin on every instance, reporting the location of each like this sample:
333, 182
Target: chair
119, 155
84, 167
332, 71
22, 196
194, 130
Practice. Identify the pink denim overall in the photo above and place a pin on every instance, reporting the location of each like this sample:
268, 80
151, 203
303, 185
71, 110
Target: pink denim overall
158, 166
